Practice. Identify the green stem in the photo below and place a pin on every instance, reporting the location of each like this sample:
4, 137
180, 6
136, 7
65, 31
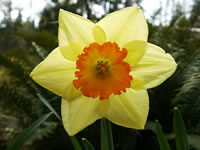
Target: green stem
106, 135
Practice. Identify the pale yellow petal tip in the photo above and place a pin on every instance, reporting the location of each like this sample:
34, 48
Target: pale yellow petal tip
32, 74
62, 11
36, 70
133, 7
74, 130
71, 133
137, 8
173, 64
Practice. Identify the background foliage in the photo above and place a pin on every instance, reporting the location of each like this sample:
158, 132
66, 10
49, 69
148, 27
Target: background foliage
23, 46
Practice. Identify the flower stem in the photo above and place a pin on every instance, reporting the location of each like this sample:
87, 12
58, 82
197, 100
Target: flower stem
106, 135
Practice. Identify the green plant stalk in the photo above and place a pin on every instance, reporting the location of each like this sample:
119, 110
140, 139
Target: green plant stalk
106, 135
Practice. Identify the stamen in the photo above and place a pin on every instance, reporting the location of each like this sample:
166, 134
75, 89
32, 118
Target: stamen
102, 68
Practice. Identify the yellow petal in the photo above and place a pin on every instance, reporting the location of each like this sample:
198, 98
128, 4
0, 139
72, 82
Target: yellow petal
74, 28
129, 109
136, 50
72, 50
137, 83
99, 34
71, 92
81, 112
55, 73
154, 68
125, 25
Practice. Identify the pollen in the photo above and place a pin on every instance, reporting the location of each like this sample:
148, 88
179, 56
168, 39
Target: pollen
102, 71
102, 68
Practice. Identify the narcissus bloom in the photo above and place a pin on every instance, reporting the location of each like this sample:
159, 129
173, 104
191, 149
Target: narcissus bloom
104, 69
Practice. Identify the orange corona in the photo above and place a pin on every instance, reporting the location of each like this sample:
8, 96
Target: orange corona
102, 71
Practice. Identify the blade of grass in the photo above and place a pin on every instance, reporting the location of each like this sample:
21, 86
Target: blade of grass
161, 138
75, 143
106, 135
48, 105
180, 131
27, 133
87, 145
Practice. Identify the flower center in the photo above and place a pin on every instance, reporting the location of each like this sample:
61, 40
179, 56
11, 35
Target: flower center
102, 68
102, 71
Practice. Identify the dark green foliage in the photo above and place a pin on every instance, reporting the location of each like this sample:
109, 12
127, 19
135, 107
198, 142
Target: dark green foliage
87, 145
180, 131
161, 138
21, 139
75, 143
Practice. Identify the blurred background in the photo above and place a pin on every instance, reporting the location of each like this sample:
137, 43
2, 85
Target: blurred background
28, 33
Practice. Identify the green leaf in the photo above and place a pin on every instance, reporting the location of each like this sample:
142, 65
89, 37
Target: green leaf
161, 138
49, 106
106, 135
27, 133
75, 143
87, 145
180, 131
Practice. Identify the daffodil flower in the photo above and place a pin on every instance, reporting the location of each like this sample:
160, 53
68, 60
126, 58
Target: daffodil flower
104, 69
